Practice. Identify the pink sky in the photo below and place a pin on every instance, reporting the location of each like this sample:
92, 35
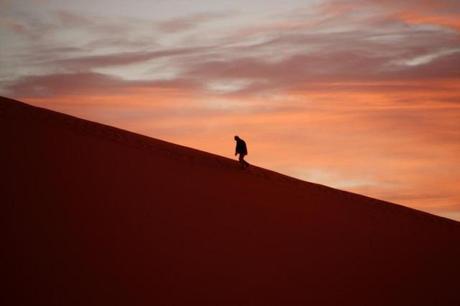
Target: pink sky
359, 95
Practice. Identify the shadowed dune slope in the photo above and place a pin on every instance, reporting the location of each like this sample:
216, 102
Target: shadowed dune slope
94, 215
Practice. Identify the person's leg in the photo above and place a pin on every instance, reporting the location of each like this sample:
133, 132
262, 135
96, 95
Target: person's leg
244, 163
241, 160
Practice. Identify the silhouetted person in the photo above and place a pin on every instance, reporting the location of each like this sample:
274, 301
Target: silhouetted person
242, 150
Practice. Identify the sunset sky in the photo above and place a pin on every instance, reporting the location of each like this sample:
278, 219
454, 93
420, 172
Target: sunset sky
359, 95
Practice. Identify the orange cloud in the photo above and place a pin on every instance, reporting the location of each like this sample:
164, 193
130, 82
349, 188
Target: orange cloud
449, 21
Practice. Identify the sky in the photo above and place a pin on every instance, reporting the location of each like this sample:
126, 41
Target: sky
360, 95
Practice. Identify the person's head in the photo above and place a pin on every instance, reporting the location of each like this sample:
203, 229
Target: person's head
236, 138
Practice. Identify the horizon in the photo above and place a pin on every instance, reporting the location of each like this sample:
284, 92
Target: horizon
357, 95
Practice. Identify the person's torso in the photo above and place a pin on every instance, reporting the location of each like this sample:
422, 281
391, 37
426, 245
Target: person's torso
241, 147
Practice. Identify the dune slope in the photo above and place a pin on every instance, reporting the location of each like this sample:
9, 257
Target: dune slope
94, 215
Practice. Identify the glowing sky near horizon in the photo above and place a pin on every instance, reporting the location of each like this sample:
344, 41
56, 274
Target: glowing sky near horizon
359, 95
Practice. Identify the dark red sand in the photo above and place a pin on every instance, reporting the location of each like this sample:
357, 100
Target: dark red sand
94, 215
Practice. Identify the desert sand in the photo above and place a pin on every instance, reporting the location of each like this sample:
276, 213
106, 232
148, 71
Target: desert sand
95, 215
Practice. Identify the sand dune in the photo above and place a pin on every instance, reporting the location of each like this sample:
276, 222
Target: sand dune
95, 215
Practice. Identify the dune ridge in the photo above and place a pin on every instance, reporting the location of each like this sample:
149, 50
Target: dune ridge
98, 215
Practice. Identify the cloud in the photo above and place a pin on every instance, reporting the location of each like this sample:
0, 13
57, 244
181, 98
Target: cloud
189, 22
64, 84
85, 83
356, 59
368, 48
122, 58
442, 13
93, 24
328, 68
12, 25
